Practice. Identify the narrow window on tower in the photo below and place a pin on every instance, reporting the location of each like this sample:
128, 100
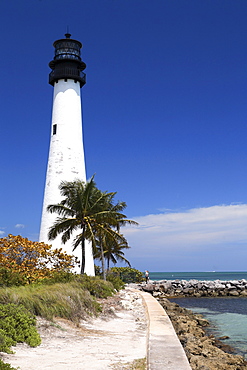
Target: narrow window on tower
54, 129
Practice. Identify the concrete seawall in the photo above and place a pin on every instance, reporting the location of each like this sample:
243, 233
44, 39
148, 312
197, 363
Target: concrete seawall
164, 350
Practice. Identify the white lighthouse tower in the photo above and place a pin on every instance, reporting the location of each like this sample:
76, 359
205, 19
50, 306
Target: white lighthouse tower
66, 157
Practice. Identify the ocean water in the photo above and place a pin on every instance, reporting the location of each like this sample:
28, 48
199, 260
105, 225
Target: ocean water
227, 315
208, 275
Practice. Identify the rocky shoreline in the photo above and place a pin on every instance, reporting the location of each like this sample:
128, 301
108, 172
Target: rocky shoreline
204, 352
197, 288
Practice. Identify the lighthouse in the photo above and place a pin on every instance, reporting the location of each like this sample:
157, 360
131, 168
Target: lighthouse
66, 160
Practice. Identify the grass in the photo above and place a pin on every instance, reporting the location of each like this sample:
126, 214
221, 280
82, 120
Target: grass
73, 300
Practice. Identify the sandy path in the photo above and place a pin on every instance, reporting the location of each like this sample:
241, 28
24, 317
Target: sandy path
107, 342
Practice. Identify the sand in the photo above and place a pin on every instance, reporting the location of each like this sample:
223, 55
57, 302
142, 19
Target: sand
110, 341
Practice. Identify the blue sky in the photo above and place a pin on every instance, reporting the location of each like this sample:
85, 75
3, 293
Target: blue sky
165, 111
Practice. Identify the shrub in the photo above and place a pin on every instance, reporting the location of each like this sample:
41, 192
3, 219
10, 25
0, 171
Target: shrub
4, 366
58, 277
127, 274
26, 262
17, 325
9, 278
96, 286
116, 281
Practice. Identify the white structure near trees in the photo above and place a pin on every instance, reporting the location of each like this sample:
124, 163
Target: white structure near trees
66, 156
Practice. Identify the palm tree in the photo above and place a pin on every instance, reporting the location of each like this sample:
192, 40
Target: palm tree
107, 244
113, 251
86, 209
110, 235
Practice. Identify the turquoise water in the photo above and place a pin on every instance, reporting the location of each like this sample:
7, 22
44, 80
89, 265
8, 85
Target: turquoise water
227, 315
208, 275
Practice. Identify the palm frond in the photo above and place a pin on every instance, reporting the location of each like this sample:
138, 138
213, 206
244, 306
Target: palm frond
60, 209
61, 225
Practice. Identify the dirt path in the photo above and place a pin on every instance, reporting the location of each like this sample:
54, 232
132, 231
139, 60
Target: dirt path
117, 337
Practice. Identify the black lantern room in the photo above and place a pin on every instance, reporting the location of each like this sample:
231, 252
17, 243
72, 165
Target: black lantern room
67, 63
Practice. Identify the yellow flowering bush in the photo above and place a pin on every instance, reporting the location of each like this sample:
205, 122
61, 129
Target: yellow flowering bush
32, 261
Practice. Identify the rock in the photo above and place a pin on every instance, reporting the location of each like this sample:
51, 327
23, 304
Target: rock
234, 282
179, 291
213, 293
111, 310
188, 291
232, 287
224, 337
219, 286
204, 352
197, 294
241, 287
202, 322
157, 294
234, 293
148, 288
197, 288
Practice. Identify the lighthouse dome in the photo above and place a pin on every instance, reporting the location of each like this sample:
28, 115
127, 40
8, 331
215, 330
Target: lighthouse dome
67, 48
67, 63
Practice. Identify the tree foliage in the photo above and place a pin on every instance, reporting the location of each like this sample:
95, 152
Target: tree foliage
109, 240
112, 251
127, 274
89, 212
23, 261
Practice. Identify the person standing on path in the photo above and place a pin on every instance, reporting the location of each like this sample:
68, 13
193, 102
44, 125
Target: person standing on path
147, 276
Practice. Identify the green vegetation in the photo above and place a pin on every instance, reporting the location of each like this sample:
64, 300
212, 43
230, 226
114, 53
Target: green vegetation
127, 274
36, 280
4, 366
114, 253
84, 207
73, 300
9, 277
62, 295
17, 325
116, 281
119, 276
111, 250
96, 286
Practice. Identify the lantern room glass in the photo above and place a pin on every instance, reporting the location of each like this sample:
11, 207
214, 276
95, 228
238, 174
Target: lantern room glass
67, 49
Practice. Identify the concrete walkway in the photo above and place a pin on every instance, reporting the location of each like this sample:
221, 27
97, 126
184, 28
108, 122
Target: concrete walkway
164, 350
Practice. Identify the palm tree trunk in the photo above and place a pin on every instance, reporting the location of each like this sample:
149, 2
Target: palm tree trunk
102, 243
108, 264
83, 252
82, 256
103, 261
